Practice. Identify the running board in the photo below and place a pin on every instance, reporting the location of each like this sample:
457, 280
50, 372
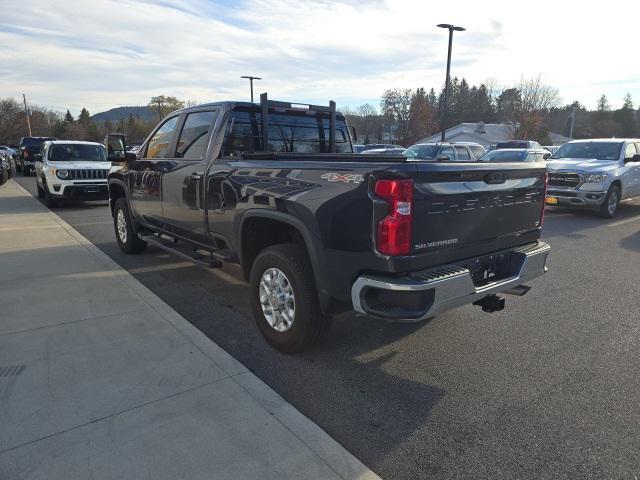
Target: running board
182, 250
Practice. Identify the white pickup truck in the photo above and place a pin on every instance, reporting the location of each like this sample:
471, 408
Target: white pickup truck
72, 170
594, 174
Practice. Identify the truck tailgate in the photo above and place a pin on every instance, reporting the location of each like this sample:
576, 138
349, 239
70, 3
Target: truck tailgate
455, 207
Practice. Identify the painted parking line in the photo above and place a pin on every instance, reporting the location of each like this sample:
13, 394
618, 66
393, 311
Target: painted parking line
622, 222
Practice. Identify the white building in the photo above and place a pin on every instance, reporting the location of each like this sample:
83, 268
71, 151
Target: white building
486, 134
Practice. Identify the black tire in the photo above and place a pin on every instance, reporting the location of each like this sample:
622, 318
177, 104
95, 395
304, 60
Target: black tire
611, 201
40, 190
4, 177
129, 242
47, 198
308, 321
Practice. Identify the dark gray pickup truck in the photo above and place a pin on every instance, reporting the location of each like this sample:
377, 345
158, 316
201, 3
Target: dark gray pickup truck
319, 230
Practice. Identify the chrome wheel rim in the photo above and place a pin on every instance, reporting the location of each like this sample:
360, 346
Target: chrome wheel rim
613, 202
121, 225
277, 300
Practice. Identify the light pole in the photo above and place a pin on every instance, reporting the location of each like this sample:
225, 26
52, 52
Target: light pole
451, 28
251, 79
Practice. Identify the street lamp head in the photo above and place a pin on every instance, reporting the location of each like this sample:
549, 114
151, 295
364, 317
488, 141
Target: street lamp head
451, 27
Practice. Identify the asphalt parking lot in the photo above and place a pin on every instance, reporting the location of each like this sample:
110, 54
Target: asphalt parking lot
547, 388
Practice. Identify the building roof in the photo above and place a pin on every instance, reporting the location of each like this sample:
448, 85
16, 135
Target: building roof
486, 133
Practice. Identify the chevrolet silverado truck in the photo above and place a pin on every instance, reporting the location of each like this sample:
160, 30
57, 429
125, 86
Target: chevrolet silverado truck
317, 229
594, 174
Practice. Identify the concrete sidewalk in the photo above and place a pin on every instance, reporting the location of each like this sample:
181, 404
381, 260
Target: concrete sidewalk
100, 379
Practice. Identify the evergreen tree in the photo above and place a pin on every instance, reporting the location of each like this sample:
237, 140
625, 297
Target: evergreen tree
84, 117
68, 117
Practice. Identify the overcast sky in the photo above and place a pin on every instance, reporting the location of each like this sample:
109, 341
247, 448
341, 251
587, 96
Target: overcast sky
101, 54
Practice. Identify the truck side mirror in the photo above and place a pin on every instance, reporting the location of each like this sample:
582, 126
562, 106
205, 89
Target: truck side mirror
635, 158
443, 158
116, 148
546, 155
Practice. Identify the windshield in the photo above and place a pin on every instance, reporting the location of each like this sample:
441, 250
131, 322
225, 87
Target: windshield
77, 152
33, 142
513, 144
591, 150
422, 152
504, 156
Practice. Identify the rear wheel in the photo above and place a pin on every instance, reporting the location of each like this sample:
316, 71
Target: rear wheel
284, 298
611, 201
128, 240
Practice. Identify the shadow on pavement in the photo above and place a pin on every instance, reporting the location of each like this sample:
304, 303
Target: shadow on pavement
343, 379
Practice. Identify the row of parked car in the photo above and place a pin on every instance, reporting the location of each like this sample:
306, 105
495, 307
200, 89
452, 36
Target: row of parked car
594, 174
511, 151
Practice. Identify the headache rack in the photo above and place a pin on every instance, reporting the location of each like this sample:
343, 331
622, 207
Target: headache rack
265, 103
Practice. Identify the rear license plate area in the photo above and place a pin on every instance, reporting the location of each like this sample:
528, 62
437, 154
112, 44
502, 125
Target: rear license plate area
489, 268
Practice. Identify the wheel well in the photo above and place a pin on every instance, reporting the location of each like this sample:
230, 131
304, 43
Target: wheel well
260, 233
618, 183
115, 192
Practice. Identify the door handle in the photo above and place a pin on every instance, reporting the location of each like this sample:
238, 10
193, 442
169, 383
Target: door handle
196, 176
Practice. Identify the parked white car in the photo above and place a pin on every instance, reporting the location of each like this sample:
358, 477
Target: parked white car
72, 170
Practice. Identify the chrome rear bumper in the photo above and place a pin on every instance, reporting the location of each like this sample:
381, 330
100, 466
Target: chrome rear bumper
424, 294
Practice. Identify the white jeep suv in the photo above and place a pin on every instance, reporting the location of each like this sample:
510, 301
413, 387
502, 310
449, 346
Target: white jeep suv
72, 170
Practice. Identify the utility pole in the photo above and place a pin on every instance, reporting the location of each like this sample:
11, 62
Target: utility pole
251, 79
26, 113
445, 109
573, 119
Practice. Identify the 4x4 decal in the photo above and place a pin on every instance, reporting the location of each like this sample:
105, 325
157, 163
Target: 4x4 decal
343, 177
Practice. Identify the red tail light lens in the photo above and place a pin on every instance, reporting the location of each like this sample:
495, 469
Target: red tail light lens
394, 231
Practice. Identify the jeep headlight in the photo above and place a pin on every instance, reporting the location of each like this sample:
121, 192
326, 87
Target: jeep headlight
595, 177
62, 174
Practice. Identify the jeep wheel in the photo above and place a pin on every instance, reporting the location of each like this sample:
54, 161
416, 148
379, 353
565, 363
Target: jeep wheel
611, 201
47, 198
284, 298
40, 190
128, 240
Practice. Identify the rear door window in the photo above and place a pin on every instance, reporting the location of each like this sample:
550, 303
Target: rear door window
290, 132
194, 138
447, 151
160, 143
463, 154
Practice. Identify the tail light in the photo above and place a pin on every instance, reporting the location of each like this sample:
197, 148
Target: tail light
393, 236
25, 152
544, 198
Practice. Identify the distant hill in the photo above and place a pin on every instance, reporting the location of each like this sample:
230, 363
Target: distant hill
116, 114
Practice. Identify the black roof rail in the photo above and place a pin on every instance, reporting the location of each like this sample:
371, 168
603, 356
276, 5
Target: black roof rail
265, 103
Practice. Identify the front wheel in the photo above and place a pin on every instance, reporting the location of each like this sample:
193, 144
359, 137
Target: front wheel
611, 201
284, 298
47, 198
128, 240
